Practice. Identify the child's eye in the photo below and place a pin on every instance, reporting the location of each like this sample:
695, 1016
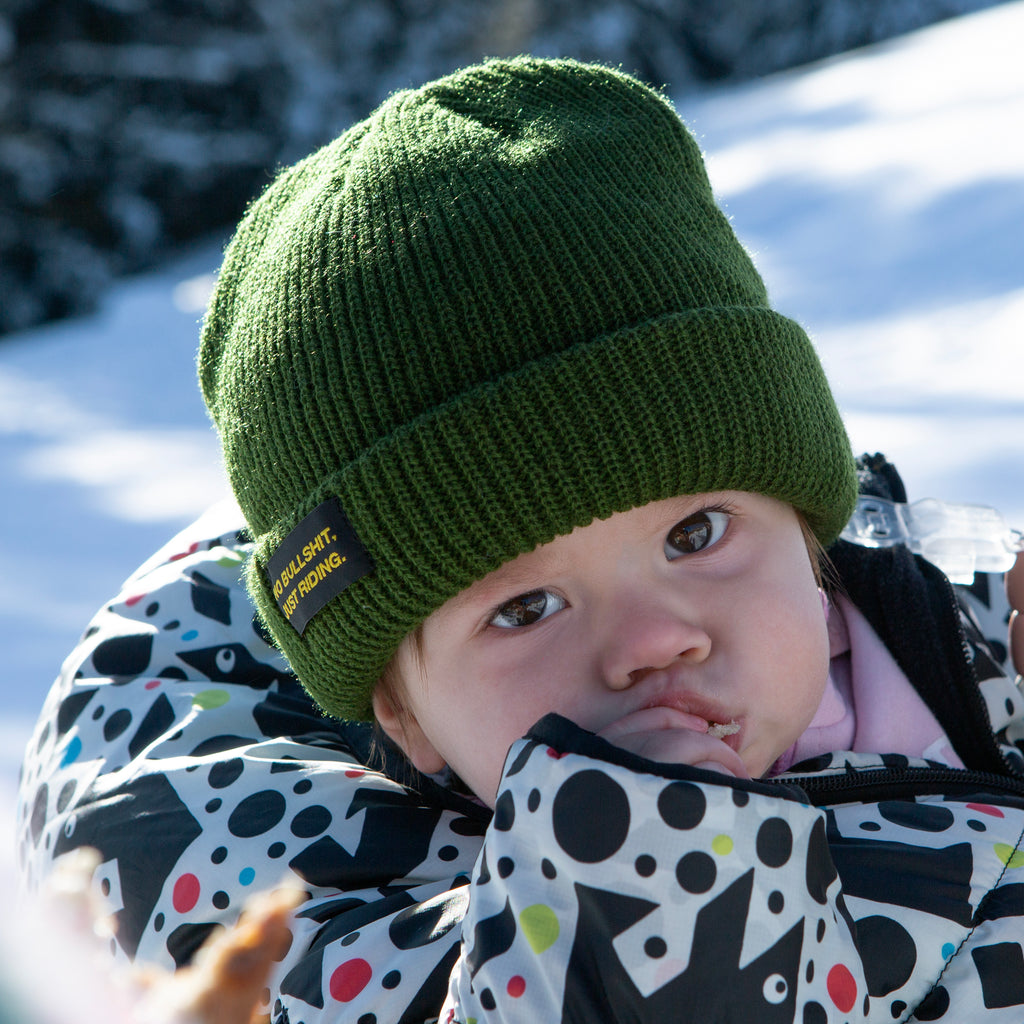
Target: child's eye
526, 609
695, 533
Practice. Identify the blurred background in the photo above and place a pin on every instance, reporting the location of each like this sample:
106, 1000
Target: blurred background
129, 127
869, 152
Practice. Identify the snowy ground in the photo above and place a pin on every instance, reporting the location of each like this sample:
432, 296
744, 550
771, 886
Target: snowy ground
882, 194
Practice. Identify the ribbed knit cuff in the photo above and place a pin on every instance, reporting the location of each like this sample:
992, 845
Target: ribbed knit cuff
604, 427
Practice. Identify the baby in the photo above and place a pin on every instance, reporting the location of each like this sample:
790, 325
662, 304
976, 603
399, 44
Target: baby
688, 630
537, 482
525, 436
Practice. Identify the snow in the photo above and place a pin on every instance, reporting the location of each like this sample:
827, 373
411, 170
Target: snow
881, 192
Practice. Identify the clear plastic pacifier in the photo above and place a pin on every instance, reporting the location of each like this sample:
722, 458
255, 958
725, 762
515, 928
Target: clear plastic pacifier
959, 539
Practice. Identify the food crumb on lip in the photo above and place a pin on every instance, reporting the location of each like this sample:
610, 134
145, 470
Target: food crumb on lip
720, 730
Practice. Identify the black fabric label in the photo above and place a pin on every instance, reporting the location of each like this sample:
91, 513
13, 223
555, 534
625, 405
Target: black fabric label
316, 562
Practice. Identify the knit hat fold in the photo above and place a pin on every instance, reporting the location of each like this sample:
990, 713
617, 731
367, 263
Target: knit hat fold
503, 306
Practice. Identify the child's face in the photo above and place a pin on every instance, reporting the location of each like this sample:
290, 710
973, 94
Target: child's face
643, 627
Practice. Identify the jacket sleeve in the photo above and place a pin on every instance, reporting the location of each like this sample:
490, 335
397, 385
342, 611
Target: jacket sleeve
610, 888
177, 743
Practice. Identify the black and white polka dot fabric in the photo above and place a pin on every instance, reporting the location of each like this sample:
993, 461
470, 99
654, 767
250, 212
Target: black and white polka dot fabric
859, 887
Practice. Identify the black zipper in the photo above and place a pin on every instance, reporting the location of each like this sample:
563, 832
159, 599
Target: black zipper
873, 784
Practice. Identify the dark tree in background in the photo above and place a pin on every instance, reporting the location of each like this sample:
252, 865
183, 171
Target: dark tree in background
128, 127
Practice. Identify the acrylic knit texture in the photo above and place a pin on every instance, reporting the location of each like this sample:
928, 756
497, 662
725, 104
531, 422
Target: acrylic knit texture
503, 305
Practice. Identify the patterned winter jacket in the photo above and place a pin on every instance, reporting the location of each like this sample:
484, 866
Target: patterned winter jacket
603, 888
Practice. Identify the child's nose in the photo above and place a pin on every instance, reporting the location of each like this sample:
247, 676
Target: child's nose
650, 639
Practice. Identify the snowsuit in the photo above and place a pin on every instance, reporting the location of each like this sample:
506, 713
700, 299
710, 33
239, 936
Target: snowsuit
603, 888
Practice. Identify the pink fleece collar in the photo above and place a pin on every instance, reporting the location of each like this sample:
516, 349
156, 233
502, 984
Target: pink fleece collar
868, 705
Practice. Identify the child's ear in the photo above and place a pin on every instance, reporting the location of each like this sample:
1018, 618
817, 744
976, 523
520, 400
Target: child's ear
404, 731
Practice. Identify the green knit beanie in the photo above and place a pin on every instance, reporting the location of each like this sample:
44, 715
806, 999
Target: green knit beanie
502, 306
